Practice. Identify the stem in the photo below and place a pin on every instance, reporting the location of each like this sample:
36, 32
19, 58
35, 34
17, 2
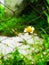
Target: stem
45, 13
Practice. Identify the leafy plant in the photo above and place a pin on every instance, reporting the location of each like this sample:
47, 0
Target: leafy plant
47, 1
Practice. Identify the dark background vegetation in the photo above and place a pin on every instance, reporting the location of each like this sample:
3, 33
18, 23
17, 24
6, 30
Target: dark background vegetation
32, 15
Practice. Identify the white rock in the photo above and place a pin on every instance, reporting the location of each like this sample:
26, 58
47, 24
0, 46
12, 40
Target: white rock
17, 39
8, 44
2, 38
5, 49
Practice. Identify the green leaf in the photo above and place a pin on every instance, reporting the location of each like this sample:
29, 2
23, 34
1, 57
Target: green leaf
48, 1
40, 63
48, 19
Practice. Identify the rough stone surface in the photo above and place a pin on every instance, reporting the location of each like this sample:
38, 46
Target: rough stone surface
8, 44
14, 6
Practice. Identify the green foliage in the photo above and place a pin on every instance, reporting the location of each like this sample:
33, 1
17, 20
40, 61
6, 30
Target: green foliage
18, 24
12, 59
33, 18
11, 26
48, 19
47, 1
1, 11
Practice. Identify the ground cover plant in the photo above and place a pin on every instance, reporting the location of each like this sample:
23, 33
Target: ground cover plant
39, 54
35, 14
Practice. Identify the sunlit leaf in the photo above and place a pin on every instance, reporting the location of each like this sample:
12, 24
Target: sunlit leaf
48, 19
48, 1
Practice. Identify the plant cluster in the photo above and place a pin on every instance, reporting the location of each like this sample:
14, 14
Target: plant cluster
39, 54
39, 18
